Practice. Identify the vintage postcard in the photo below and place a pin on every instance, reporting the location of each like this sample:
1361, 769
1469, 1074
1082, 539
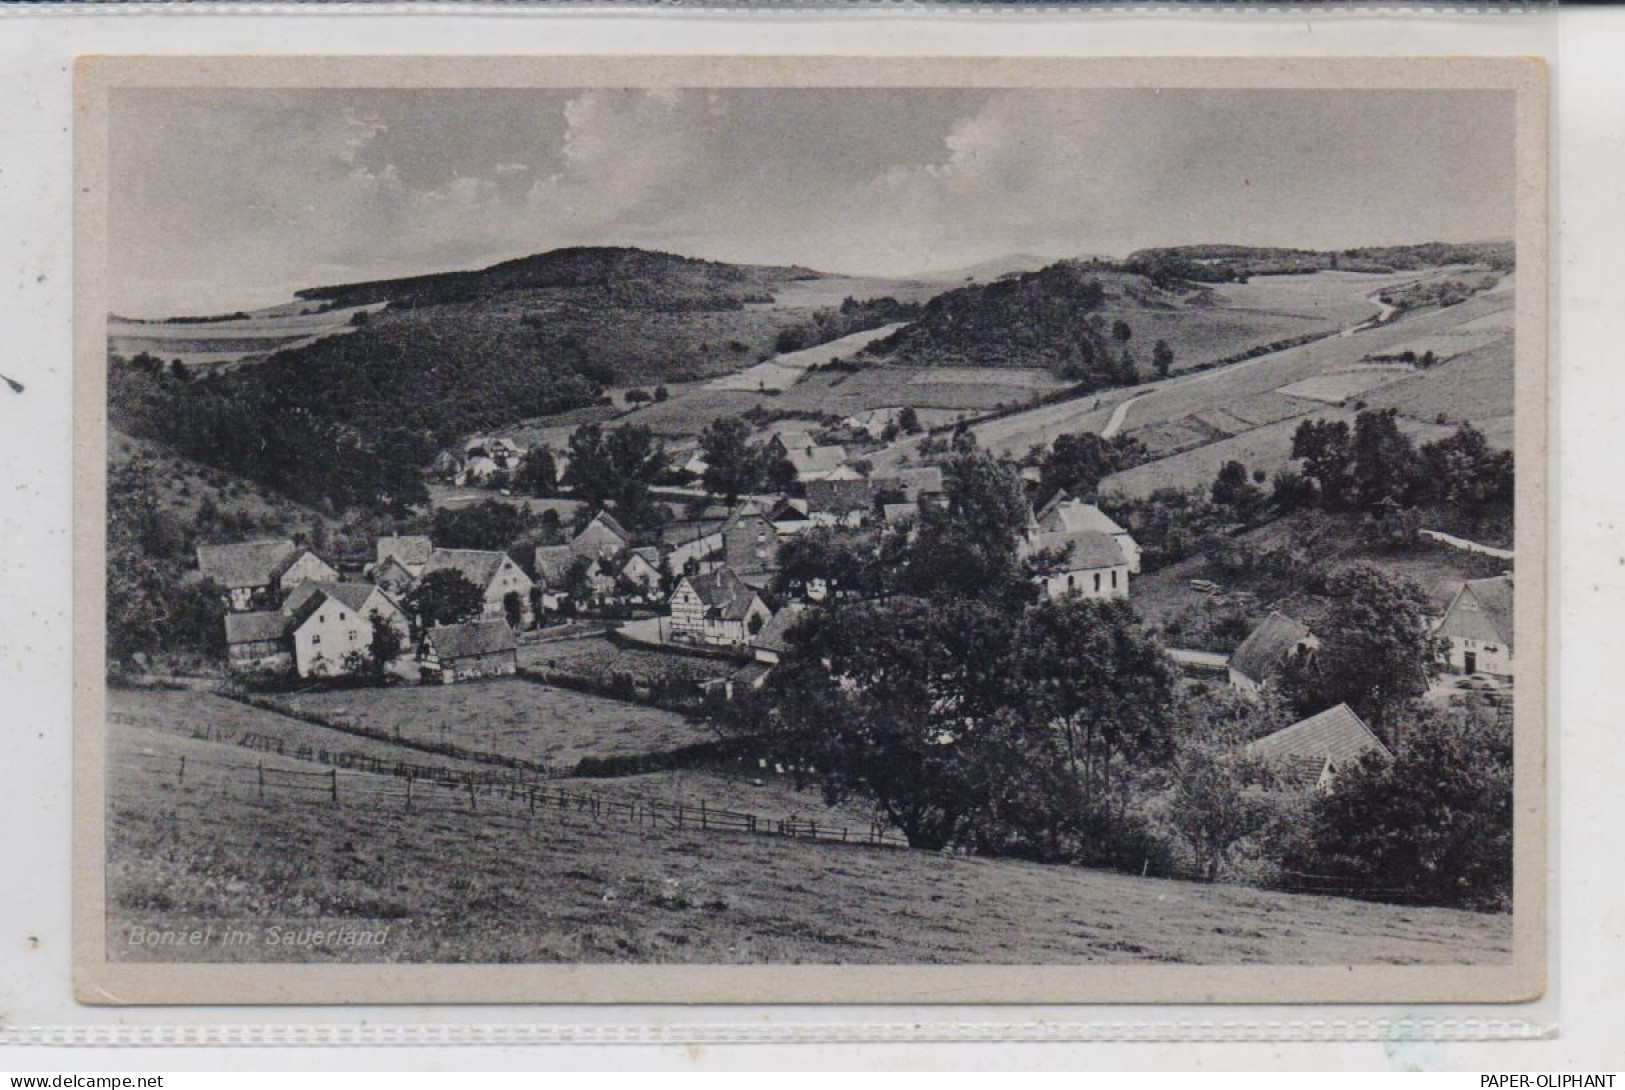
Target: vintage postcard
810, 530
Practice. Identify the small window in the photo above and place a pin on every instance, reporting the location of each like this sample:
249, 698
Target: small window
1071, 582
1114, 578
321, 618
341, 616
315, 640
354, 634
1097, 580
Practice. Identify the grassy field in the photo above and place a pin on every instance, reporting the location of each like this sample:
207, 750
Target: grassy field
207, 344
509, 717
1476, 386
598, 657
501, 885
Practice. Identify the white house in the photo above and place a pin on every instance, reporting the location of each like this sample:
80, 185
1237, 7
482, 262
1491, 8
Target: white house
494, 573
1478, 627
331, 621
641, 569
1090, 564
1275, 639
717, 608
603, 537
1063, 513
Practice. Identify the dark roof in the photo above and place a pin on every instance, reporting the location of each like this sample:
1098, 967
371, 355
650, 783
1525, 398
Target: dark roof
255, 627
407, 548
1262, 651
245, 563
1086, 550
724, 592
1335, 735
839, 495
478, 566
553, 564
354, 595
1482, 610
912, 481
455, 641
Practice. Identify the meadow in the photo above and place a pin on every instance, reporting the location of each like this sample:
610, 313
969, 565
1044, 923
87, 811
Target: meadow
209, 344
509, 717
499, 884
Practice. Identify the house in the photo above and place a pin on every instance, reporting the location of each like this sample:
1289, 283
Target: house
696, 465
716, 608
459, 652
602, 536
257, 572
640, 571
494, 573
750, 542
503, 453
1275, 639
792, 440
329, 622
479, 470
411, 551
1063, 513
448, 465
915, 485
840, 499
1309, 754
393, 576
552, 564
896, 514
816, 463
694, 543
1089, 564
770, 644
1478, 627
873, 422
788, 515
258, 642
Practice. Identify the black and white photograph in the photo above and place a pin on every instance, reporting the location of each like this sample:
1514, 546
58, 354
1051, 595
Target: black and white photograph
1050, 527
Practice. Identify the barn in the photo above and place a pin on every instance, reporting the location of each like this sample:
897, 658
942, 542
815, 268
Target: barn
460, 652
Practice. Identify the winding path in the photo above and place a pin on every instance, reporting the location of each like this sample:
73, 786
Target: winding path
1467, 546
1115, 423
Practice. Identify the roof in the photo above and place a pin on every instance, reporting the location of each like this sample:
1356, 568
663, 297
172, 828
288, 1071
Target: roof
553, 563
478, 566
723, 591
1336, 736
354, 595
741, 513
407, 548
245, 563
795, 438
455, 641
255, 627
772, 635
816, 459
1264, 648
1481, 610
788, 509
607, 521
838, 494
1077, 515
1086, 550
897, 512
914, 481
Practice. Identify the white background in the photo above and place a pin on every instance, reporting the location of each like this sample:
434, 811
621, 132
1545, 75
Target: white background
1582, 1009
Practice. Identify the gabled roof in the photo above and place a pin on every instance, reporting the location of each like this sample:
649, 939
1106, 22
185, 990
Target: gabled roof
354, 595
1077, 515
795, 439
816, 459
385, 565
914, 481
742, 513
478, 566
723, 593
255, 627
649, 554
1262, 651
553, 564
772, 635
899, 512
1481, 610
1086, 550
454, 641
607, 521
1336, 736
245, 563
407, 548
787, 509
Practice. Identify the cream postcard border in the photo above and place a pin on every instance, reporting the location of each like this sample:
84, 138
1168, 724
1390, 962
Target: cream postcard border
99, 981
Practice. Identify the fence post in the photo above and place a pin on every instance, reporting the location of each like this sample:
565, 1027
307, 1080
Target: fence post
409, 792
679, 815
472, 805
533, 798
182, 777
333, 783
262, 779
702, 813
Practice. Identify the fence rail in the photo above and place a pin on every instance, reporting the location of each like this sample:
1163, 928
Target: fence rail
402, 784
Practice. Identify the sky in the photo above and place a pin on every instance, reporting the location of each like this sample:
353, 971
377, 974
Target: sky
227, 199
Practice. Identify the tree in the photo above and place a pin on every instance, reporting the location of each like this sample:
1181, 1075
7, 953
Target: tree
1377, 653
1121, 333
1434, 824
1323, 446
1219, 798
444, 597
1385, 463
489, 524
386, 645
966, 548
661, 393
591, 474
731, 466
1076, 463
1233, 490
513, 608
538, 473
637, 459
1463, 471
908, 420
1162, 358
634, 396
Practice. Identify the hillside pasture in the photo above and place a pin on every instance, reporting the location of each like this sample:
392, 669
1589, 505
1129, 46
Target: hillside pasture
503, 885
509, 717
784, 369
1339, 386
600, 658
1477, 386
209, 344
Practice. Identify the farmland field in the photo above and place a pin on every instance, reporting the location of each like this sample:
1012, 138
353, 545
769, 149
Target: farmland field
511, 718
1341, 385
206, 344
503, 885
598, 657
